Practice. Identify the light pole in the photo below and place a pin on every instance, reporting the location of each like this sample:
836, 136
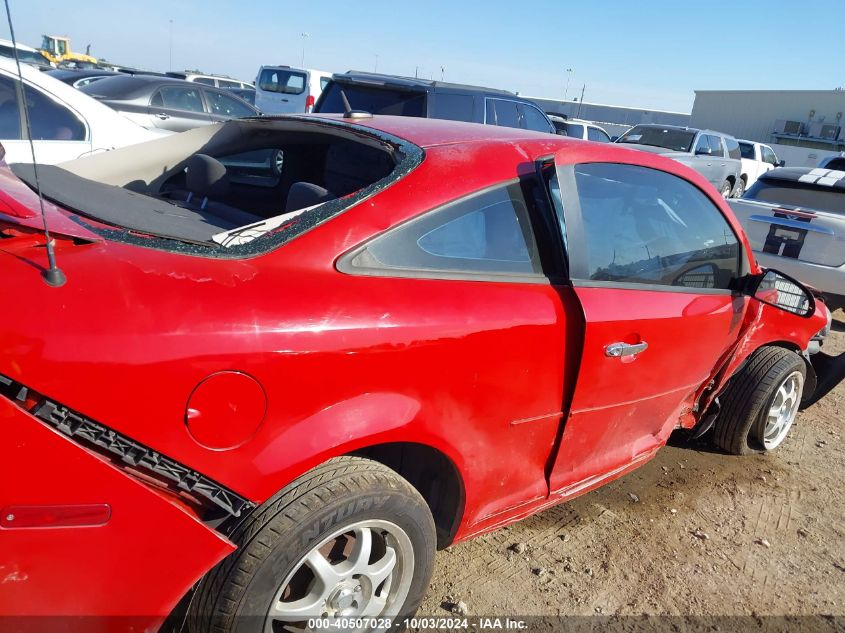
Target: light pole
569, 72
304, 37
170, 65
375, 66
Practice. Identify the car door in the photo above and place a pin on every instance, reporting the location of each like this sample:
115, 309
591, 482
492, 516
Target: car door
178, 108
702, 158
651, 260
58, 133
721, 170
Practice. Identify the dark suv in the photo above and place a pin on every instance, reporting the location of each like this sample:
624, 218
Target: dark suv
407, 96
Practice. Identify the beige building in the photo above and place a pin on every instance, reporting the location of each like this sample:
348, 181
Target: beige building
806, 124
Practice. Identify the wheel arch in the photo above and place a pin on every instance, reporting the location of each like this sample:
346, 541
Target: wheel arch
810, 380
433, 474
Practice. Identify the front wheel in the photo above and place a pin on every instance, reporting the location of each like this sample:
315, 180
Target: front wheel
726, 189
739, 189
761, 402
349, 539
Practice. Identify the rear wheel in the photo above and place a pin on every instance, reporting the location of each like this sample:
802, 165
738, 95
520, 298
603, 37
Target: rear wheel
726, 189
740, 188
761, 403
349, 539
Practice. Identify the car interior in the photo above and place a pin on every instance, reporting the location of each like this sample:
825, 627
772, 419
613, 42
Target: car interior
217, 178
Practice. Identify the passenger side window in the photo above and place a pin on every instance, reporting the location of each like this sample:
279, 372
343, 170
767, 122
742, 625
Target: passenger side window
206, 81
453, 107
10, 112
488, 232
733, 148
716, 146
502, 113
769, 156
222, 104
646, 226
51, 121
535, 120
702, 146
178, 98
597, 135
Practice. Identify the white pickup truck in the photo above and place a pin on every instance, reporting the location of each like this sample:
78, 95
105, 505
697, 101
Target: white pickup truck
757, 159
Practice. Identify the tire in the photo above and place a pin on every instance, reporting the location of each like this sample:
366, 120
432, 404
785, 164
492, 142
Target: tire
324, 515
744, 423
726, 189
739, 189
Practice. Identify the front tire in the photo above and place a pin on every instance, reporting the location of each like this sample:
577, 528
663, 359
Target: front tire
761, 402
350, 538
726, 189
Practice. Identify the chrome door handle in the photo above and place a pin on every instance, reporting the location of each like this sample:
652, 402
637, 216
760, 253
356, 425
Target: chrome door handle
163, 116
614, 350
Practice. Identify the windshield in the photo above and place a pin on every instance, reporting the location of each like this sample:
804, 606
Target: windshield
747, 150
670, 138
797, 194
375, 100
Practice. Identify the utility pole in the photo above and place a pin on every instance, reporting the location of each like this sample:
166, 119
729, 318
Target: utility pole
375, 67
170, 65
442, 73
304, 37
581, 102
569, 72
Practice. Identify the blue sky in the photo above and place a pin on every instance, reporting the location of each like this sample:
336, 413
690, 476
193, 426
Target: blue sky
638, 53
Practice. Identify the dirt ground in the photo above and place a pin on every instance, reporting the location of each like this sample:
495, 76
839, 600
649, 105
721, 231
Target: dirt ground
692, 533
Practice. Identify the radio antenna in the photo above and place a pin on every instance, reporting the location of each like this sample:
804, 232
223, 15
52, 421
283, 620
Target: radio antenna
53, 276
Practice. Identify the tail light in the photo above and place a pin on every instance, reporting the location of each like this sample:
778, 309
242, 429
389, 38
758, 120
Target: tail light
309, 103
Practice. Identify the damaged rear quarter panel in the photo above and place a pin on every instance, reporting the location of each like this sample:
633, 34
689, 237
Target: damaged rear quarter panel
75, 571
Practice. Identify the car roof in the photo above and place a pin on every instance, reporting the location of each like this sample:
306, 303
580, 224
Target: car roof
818, 176
71, 73
123, 86
415, 82
22, 47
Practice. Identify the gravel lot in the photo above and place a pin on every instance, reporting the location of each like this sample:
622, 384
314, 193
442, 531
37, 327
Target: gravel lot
692, 533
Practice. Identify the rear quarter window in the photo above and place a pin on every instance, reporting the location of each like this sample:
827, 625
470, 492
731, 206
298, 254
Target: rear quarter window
485, 233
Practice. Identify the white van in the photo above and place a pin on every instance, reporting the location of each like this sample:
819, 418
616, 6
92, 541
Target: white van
282, 89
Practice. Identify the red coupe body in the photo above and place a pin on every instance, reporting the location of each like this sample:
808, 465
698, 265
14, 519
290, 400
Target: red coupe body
497, 393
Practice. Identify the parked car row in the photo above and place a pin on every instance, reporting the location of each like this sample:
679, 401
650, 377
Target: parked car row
65, 123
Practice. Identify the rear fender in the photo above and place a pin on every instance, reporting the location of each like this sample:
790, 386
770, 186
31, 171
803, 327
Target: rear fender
83, 570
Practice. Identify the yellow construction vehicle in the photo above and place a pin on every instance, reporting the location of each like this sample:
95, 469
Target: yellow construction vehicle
57, 49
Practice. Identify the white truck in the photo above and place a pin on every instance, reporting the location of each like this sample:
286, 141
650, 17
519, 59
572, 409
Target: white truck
757, 159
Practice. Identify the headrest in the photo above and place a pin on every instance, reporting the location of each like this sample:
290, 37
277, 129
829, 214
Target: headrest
306, 194
206, 176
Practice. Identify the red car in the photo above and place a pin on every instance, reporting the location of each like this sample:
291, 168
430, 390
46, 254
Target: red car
268, 392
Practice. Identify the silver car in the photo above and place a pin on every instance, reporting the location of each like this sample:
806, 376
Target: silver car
714, 155
168, 104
